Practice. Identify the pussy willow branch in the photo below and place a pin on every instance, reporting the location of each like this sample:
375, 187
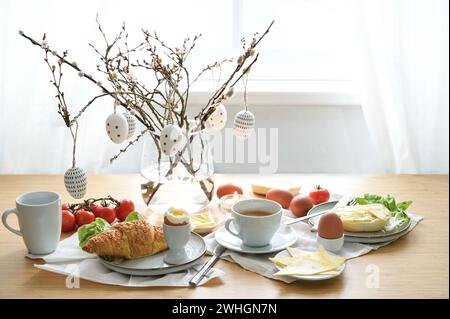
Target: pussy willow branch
130, 143
82, 74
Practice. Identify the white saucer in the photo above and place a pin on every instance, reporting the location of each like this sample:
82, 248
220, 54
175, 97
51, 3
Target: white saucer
285, 253
154, 265
284, 237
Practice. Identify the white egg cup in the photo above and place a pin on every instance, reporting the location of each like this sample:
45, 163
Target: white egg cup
332, 245
176, 237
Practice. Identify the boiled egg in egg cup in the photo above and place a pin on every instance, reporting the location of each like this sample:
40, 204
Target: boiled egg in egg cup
330, 232
177, 231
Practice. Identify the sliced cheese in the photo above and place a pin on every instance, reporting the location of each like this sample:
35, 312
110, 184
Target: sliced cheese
308, 263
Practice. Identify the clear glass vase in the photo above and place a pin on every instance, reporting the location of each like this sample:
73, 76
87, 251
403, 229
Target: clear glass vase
185, 180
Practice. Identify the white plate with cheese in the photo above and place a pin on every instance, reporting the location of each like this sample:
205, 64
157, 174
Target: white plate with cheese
366, 237
322, 261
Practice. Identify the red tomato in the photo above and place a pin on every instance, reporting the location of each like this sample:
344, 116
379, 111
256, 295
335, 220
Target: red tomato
125, 207
319, 195
65, 206
84, 217
68, 221
107, 213
94, 208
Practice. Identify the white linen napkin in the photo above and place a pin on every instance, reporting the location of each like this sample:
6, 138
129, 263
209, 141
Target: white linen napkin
68, 259
261, 265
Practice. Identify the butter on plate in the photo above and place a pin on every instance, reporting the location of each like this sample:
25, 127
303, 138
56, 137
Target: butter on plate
203, 222
304, 263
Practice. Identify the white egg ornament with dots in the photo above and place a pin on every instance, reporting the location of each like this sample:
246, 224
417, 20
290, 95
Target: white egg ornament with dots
131, 124
117, 127
244, 123
75, 180
218, 118
171, 140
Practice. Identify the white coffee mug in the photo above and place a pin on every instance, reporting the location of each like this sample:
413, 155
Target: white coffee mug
39, 215
254, 231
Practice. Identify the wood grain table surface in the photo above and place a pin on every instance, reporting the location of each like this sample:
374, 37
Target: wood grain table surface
415, 266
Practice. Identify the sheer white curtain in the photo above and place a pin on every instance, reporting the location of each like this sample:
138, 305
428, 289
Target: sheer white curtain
402, 46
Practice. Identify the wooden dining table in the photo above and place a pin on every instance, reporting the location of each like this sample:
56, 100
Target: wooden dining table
414, 266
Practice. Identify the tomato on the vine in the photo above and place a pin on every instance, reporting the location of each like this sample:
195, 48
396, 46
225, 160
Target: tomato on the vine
68, 221
84, 217
319, 195
107, 213
65, 206
94, 208
125, 207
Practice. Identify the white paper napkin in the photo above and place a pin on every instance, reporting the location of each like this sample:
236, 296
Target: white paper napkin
68, 259
260, 264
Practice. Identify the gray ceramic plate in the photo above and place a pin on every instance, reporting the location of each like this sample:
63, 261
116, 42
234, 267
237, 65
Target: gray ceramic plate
155, 265
382, 235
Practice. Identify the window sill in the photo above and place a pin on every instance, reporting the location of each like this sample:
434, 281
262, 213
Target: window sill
286, 93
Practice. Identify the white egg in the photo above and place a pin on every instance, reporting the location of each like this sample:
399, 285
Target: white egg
172, 140
218, 118
117, 127
244, 123
75, 180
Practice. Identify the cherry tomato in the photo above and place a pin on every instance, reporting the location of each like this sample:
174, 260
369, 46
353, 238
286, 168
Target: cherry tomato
65, 206
84, 217
68, 221
94, 208
319, 195
125, 207
107, 213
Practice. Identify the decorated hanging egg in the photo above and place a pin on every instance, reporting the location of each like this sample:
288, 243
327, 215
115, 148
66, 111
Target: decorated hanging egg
117, 127
218, 118
131, 124
75, 180
172, 140
244, 123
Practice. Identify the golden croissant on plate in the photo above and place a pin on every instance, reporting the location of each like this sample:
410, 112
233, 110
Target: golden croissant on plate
128, 240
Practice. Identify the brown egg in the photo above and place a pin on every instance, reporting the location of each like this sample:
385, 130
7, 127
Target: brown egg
280, 196
227, 189
300, 205
330, 226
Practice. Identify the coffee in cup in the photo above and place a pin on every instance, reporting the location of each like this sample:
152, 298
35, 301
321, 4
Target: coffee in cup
254, 221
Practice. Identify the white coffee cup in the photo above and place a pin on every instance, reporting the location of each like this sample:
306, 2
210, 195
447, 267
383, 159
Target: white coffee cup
255, 231
39, 215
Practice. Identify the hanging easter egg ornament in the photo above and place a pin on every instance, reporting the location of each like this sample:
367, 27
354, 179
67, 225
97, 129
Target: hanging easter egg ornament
218, 118
75, 180
131, 124
172, 140
117, 127
244, 123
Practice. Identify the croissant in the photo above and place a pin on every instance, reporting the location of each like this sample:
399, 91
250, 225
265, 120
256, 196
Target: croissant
128, 240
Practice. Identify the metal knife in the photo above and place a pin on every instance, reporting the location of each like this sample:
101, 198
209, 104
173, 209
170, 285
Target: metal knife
342, 202
217, 252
